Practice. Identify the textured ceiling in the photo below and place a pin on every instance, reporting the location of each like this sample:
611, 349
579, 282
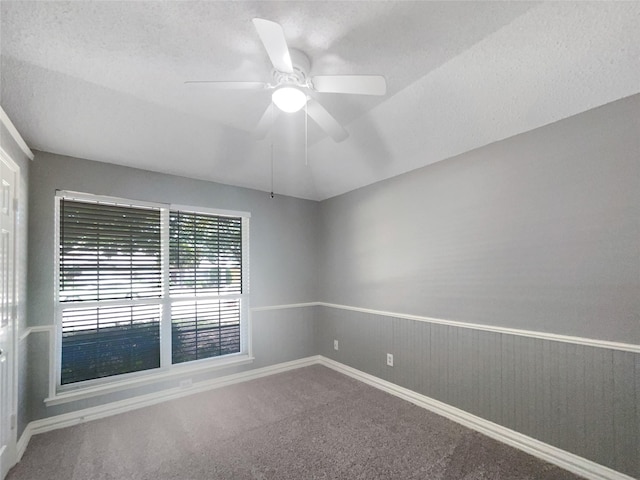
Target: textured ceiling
105, 81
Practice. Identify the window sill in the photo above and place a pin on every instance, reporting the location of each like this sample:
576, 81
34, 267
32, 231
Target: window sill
152, 377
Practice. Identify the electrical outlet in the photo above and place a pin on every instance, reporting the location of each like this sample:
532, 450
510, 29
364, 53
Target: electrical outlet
390, 359
335, 345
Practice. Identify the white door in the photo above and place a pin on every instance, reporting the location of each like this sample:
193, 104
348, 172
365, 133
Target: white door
7, 315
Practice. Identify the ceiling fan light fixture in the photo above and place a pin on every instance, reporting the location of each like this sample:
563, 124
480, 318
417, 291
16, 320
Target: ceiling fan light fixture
289, 99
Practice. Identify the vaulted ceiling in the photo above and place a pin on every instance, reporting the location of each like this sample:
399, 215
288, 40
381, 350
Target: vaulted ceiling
105, 81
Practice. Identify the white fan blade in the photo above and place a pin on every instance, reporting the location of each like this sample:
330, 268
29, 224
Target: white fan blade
358, 84
324, 119
229, 85
272, 37
266, 122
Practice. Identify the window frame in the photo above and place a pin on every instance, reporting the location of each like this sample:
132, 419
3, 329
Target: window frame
59, 393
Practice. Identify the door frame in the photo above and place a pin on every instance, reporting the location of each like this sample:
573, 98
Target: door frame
12, 356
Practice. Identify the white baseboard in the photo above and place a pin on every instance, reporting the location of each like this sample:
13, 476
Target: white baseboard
23, 441
563, 459
569, 461
122, 406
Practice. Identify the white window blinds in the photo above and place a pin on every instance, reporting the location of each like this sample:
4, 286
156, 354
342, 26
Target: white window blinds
108, 255
109, 252
206, 265
205, 254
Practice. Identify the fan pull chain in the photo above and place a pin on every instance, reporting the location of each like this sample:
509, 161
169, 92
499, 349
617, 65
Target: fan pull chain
271, 168
273, 119
306, 133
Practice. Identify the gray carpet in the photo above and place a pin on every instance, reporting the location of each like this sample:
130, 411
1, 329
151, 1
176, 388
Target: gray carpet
310, 423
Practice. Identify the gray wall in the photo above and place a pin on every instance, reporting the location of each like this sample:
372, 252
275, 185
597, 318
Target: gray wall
283, 229
283, 258
579, 398
538, 232
20, 158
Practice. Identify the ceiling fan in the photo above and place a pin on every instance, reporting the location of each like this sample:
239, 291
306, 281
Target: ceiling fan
291, 82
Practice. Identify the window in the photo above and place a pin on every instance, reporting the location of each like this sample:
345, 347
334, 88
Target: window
144, 286
205, 263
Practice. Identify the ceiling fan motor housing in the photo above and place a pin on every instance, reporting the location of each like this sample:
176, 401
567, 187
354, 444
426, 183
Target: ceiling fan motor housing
299, 76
